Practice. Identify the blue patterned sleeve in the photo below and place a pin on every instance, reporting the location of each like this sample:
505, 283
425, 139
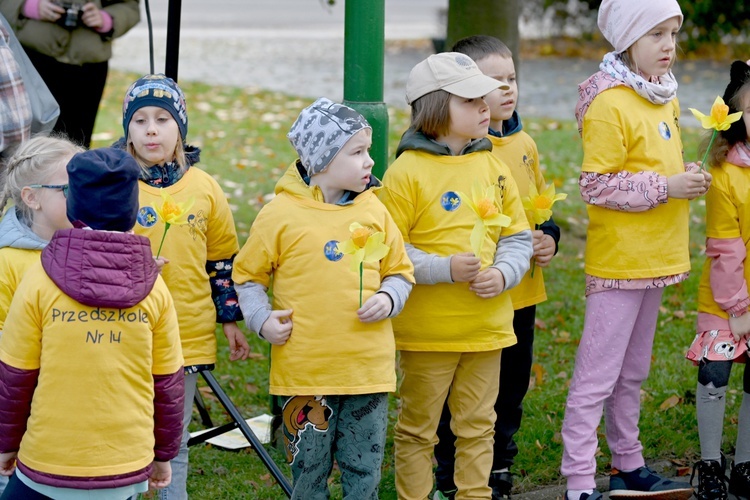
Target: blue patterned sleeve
222, 290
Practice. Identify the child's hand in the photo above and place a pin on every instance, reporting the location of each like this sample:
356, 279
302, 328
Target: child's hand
49, 11
464, 267
687, 185
161, 262
8, 463
161, 475
488, 283
544, 248
708, 177
377, 307
278, 327
740, 326
92, 17
238, 346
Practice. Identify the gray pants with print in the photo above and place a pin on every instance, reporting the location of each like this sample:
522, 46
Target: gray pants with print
351, 429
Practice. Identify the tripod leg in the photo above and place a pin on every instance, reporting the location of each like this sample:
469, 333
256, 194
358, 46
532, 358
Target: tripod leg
247, 432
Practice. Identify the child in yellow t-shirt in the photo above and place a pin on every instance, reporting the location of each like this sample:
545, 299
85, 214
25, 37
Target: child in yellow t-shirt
723, 325
512, 145
636, 187
340, 272
198, 254
91, 368
464, 225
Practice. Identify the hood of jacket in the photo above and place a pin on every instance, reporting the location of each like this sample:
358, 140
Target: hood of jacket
101, 268
511, 126
16, 234
417, 141
296, 183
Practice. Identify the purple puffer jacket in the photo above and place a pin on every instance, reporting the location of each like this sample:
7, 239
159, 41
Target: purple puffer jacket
80, 262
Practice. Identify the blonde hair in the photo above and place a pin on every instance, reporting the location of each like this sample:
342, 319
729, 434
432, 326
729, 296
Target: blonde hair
178, 156
430, 114
33, 163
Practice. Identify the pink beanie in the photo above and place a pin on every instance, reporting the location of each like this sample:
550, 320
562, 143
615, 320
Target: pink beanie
623, 22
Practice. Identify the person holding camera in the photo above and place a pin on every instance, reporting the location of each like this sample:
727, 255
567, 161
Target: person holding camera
70, 43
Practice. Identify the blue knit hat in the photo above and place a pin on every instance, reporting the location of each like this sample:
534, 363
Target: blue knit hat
155, 90
103, 189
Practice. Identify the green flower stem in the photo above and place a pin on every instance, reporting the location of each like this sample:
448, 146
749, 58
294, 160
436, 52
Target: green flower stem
361, 266
705, 155
166, 228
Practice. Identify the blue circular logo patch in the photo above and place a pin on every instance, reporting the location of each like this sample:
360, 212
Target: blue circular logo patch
331, 251
146, 216
450, 201
664, 131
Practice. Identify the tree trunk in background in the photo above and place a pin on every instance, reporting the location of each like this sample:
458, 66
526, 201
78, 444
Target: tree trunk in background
498, 18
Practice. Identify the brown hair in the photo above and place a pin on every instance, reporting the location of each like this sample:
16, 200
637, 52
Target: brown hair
430, 114
480, 46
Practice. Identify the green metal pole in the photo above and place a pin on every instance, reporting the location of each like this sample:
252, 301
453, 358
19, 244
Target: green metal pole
364, 41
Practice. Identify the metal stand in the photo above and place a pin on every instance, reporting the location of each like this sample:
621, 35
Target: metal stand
238, 421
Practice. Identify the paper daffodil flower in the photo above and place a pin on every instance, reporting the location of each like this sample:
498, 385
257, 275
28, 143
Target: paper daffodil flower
719, 119
172, 213
539, 206
365, 245
482, 203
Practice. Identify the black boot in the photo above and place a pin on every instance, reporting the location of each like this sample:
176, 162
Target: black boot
739, 480
711, 480
501, 484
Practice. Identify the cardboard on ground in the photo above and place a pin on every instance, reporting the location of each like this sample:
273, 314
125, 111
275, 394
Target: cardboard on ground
234, 440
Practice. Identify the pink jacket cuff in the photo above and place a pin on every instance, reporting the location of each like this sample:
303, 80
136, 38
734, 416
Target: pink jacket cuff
727, 273
107, 22
31, 9
624, 191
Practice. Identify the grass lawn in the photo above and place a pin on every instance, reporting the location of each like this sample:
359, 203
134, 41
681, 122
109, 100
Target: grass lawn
242, 133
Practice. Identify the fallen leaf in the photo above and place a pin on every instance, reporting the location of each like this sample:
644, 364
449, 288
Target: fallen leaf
670, 402
538, 371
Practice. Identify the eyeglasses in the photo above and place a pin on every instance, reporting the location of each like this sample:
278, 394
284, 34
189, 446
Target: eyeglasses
61, 187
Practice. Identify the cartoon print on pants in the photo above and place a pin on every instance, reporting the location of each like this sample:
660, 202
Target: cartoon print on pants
300, 412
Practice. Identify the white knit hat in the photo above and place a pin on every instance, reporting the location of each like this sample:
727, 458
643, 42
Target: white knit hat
453, 72
623, 22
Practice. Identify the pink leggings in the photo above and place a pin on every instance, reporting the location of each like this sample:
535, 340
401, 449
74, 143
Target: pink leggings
612, 362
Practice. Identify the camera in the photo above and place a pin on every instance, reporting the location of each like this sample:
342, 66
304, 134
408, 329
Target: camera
72, 18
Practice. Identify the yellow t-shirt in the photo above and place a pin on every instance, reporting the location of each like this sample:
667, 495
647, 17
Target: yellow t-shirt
519, 152
727, 217
294, 240
421, 190
624, 132
13, 264
92, 412
208, 235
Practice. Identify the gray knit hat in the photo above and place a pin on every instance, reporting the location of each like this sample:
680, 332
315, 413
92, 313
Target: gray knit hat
321, 130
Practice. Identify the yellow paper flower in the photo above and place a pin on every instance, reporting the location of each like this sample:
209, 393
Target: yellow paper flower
364, 245
539, 206
482, 202
171, 213
719, 119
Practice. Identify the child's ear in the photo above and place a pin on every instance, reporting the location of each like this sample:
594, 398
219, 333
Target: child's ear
29, 197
